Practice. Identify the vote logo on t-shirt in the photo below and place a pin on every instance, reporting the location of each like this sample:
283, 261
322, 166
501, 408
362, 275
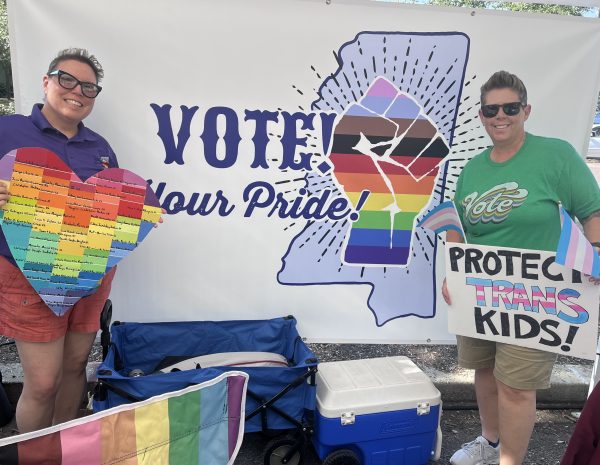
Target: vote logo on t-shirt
494, 205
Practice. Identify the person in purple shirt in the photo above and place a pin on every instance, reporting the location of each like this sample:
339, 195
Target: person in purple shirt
54, 350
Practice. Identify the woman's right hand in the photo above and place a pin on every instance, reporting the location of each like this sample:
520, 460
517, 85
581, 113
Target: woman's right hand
3, 194
445, 293
451, 236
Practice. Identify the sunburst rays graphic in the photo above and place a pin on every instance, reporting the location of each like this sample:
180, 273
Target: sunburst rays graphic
421, 66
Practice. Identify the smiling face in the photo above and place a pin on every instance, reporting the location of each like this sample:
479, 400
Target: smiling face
66, 108
505, 131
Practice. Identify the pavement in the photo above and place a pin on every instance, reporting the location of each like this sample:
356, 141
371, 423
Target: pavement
557, 406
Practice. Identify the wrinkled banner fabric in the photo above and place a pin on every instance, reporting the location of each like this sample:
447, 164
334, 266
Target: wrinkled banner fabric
202, 424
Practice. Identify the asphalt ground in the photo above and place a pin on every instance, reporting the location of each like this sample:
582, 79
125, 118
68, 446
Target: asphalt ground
556, 415
550, 437
551, 434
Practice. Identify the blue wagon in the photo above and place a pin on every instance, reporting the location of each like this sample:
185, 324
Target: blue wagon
278, 397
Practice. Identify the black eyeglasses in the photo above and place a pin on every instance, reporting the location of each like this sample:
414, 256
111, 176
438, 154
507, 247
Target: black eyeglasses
68, 81
509, 109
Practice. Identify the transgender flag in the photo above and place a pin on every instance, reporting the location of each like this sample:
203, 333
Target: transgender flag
574, 250
198, 425
442, 218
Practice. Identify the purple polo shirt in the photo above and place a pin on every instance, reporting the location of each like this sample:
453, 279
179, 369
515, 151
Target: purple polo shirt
86, 153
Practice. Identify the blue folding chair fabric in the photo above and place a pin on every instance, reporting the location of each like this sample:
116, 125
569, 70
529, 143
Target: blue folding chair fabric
142, 346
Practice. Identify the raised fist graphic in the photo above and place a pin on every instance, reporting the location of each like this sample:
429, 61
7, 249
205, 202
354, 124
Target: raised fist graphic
387, 145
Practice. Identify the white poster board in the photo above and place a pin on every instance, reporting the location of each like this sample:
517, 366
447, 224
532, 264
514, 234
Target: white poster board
216, 102
521, 297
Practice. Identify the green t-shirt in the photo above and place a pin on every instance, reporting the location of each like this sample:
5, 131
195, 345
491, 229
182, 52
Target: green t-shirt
514, 203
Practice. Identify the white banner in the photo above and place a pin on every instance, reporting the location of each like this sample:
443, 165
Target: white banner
270, 130
522, 297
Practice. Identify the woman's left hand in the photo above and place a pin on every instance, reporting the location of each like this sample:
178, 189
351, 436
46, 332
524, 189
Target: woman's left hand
595, 281
3, 194
160, 220
592, 279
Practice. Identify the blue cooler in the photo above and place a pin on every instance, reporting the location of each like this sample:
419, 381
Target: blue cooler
378, 411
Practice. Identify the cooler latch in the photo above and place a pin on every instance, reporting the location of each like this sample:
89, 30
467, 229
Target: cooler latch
423, 408
347, 418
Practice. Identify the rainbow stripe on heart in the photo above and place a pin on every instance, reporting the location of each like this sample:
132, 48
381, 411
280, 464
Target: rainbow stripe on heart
66, 234
386, 144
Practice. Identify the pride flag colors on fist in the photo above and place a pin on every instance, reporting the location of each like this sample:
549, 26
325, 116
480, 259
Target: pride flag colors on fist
66, 234
387, 145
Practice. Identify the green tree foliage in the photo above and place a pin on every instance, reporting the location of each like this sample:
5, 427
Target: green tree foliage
513, 6
463, 3
4, 49
6, 88
542, 8
534, 7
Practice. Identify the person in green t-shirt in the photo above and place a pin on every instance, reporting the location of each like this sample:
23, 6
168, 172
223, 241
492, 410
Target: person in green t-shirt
508, 196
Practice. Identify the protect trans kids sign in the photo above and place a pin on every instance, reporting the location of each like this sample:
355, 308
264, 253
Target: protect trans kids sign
521, 297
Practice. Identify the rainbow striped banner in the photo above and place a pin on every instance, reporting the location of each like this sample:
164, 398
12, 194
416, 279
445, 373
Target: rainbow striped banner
443, 218
199, 425
574, 250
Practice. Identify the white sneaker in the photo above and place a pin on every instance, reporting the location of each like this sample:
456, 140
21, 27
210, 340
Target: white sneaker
477, 452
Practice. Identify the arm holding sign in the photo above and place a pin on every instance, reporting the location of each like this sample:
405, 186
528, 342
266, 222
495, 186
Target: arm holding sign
591, 229
451, 236
160, 220
445, 217
578, 191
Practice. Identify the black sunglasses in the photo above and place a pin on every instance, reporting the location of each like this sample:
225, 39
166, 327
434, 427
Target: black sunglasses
509, 109
68, 81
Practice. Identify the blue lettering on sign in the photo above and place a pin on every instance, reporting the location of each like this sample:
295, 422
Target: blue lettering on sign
231, 138
261, 195
221, 137
261, 136
290, 140
173, 152
176, 202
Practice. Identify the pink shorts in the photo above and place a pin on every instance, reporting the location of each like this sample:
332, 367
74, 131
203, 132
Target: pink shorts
25, 317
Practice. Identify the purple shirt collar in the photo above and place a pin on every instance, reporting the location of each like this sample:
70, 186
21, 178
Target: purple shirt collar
40, 121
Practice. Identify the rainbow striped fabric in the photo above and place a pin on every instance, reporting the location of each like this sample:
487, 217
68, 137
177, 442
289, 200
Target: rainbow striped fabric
387, 145
199, 425
574, 250
443, 218
66, 234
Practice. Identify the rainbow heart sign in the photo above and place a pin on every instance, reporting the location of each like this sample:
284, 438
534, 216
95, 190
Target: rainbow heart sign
66, 234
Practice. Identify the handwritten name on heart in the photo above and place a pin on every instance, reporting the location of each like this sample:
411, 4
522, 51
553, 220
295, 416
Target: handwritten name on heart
66, 234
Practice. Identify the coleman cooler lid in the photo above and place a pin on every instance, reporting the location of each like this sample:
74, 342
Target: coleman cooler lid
372, 385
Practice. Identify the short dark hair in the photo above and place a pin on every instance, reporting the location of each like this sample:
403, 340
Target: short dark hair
504, 80
78, 54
